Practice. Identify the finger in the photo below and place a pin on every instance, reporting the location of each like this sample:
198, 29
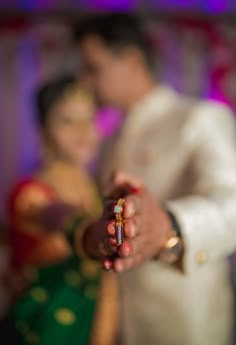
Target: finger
122, 183
131, 247
115, 190
106, 247
111, 228
125, 250
112, 241
120, 191
107, 264
132, 206
121, 177
121, 265
132, 225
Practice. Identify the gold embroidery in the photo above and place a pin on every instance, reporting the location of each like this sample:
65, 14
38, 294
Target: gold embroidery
39, 294
73, 278
65, 316
31, 274
90, 269
22, 326
32, 338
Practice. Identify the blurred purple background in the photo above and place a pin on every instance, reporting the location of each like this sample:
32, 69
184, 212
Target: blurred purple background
210, 6
196, 54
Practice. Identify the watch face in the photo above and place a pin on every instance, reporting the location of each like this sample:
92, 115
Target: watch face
172, 251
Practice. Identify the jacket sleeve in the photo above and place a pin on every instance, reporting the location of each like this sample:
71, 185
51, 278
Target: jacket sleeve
207, 216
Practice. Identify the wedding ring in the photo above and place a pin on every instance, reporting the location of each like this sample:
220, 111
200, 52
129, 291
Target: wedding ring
118, 209
119, 227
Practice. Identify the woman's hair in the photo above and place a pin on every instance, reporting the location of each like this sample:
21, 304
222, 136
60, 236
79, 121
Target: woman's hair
49, 94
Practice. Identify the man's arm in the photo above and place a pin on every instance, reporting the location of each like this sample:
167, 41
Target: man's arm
207, 217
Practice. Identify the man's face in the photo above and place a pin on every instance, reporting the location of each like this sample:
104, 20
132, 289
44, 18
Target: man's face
106, 72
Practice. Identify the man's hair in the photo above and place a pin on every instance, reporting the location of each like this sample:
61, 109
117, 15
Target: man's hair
49, 94
117, 31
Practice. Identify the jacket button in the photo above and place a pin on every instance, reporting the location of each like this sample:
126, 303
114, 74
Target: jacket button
201, 257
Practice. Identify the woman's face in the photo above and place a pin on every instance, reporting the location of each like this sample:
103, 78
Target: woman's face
70, 131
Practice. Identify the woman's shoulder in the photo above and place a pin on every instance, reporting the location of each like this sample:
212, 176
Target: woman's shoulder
29, 190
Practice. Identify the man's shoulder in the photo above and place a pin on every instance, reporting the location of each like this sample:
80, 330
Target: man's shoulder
193, 109
199, 118
192, 117
210, 112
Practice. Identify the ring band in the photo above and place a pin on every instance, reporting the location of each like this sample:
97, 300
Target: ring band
118, 209
119, 224
119, 227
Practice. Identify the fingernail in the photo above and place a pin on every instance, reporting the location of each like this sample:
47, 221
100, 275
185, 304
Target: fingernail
107, 264
126, 249
134, 190
111, 228
112, 241
118, 267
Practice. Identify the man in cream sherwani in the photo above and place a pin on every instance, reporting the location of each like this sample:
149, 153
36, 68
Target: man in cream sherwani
183, 150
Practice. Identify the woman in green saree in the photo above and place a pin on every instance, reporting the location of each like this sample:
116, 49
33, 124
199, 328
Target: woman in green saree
47, 214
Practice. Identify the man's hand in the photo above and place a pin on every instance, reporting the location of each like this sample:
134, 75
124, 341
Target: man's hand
147, 225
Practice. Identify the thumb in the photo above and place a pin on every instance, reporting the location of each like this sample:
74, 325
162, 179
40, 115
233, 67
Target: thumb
122, 183
122, 178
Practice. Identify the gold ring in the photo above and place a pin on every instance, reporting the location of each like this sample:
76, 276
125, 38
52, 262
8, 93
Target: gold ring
119, 227
118, 209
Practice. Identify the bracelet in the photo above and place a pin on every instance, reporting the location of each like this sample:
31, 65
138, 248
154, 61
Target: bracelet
172, 250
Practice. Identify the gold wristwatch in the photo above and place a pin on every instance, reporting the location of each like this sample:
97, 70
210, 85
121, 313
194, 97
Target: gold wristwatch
173, 249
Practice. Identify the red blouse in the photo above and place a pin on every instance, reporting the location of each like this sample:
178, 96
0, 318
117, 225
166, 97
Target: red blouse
25, 200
